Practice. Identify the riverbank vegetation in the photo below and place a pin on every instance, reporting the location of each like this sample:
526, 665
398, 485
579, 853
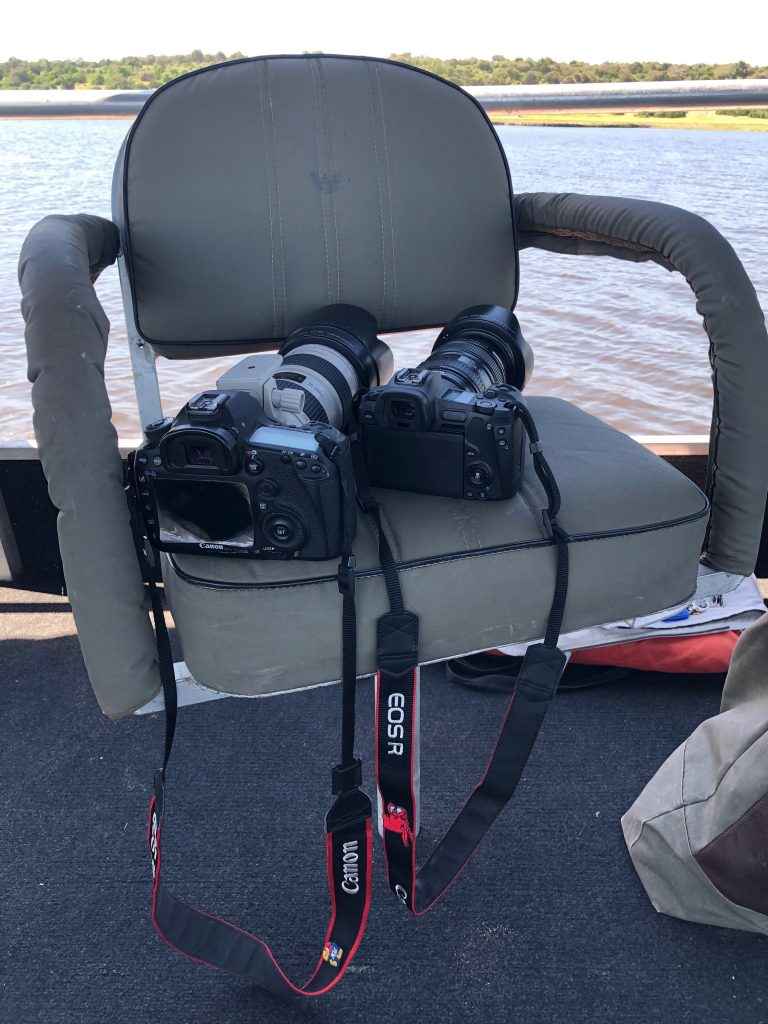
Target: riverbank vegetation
151, 71
721, 120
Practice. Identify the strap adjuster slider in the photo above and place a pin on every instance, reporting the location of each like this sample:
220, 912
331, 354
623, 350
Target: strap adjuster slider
343, 779
346, 575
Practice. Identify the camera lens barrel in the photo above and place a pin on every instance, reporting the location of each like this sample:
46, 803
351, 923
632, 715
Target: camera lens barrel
467, 365
480, 347
340, 353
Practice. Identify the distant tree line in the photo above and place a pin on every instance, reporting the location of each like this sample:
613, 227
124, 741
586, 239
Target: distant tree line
152, 71
737, 112
545, 71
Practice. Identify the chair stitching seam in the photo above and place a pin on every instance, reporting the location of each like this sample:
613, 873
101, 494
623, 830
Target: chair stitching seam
277, 190
320, 177
269, 199
389, 196
381, 202
332, 188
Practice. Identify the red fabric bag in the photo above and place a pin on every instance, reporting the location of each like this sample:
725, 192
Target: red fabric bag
687, 654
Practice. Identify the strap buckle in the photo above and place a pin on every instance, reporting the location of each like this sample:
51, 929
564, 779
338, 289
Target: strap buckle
366, 501
346, 777
328, 447
549, 521
346, 575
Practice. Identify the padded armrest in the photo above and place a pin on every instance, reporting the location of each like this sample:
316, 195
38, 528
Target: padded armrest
633, 229
66, 335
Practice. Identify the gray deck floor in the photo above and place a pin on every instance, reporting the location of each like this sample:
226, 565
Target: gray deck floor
548, 924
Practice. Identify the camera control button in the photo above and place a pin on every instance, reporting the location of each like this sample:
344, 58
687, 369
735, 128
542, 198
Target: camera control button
317, 469
479, 475
142, 460
486, 407
157, 461
267, 488
300, 463
501, 431
254, 467
284, 529
285, 458
453, 416
469, 494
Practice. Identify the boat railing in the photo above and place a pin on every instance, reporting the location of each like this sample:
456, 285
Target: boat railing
740, 92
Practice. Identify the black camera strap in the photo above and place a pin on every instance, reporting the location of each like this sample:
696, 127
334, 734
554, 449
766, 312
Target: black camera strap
218, 943
397, 693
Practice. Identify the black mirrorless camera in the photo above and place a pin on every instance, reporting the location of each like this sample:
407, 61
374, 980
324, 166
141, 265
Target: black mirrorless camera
450, 425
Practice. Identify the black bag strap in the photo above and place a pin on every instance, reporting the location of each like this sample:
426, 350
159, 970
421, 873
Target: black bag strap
349, 844
397, 691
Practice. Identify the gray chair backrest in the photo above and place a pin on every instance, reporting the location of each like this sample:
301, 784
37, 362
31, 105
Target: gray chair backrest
251, 193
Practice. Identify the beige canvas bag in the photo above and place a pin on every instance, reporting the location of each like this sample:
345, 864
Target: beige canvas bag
698, 833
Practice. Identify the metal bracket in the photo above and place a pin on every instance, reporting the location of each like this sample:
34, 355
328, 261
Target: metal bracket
143, 357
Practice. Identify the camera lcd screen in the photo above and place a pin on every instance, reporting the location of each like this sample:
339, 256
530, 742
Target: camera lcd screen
279, 437
204, 511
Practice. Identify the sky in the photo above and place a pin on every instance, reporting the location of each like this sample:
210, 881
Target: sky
676, 31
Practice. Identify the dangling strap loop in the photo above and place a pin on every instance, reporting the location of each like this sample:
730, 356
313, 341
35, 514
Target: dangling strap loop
213, 941
349, 845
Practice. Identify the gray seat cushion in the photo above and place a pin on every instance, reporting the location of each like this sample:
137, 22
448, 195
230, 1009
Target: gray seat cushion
478, 574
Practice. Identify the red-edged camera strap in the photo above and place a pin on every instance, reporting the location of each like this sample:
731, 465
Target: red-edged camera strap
218, 943
349, 847
395, 719
396, 712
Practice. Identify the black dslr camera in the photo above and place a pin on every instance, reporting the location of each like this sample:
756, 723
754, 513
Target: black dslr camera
259, 468
450, 425
223, 478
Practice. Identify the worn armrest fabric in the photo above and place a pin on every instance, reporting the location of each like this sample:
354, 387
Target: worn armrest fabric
637, 230
66, 336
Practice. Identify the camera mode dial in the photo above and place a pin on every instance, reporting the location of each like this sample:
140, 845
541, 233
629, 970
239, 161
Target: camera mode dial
157, 429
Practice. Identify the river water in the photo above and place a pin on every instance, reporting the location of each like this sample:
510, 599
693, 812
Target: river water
621, 340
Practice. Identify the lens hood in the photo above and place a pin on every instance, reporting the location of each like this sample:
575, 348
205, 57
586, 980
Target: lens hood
350, 331
496, 328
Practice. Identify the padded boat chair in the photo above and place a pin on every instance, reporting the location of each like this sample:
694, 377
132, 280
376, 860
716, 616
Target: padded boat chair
248, 195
